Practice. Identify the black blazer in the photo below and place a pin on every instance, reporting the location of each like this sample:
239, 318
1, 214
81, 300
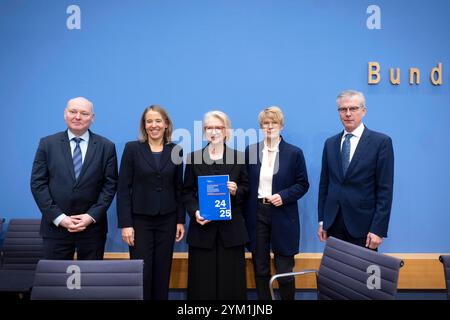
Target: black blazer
146, 188
290, 181
232, 232
56, 191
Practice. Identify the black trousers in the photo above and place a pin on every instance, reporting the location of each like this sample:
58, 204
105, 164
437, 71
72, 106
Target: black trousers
339, 231
261, 258
217, 273
153, 242
64, 249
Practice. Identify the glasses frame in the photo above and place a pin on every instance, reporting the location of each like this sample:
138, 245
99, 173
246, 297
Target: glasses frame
352, 109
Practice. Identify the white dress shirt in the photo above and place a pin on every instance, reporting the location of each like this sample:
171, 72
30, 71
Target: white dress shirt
357, 133
269, 156
83, 143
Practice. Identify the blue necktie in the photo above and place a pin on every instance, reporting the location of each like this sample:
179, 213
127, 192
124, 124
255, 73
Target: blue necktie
77, 159
345, 153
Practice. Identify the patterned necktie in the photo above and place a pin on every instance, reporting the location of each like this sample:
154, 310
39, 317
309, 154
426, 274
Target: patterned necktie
77, 159
345, 153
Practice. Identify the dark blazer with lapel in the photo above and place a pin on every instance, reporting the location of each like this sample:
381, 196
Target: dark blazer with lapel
290, 181
364, 194
146, 188
56, 191
232, 232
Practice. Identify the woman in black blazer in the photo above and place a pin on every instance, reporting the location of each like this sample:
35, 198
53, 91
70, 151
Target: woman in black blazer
278, 179
149, 207
216, 267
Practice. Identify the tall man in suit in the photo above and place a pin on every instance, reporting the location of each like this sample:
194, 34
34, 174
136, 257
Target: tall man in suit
73, 181
356, 182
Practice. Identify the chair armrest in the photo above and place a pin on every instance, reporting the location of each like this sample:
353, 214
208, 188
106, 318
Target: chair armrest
287, 274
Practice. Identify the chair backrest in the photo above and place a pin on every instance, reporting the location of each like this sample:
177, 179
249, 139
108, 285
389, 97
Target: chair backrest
2, 220
22, 246
352, 272
88, 280
445, 259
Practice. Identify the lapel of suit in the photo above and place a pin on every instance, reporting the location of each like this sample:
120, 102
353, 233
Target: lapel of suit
90, 153
67, 153
165, 156
254, 160
260, 155
363, 143
203, 164
336, 145
147, 154
229, 159
276, 165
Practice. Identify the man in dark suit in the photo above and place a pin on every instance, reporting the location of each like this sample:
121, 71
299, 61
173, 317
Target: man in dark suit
73, 181
356, 182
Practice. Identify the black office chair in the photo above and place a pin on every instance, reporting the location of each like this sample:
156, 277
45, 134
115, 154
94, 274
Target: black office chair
350, 272
445, 259
2, 220
88, 280
22, 249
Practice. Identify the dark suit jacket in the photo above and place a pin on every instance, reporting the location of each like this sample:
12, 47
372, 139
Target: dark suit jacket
364, 194
232, 232
56, 191
290, 181
146, 188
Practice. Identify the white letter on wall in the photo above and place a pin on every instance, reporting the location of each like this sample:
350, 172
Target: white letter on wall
374, 20
74, 20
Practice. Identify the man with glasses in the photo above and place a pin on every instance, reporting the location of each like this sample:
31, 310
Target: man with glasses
356, 181
73, 181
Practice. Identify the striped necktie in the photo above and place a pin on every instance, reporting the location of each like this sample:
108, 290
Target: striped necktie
345, 153
77, 159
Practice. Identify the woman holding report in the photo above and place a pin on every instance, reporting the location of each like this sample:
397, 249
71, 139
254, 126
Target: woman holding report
216, 268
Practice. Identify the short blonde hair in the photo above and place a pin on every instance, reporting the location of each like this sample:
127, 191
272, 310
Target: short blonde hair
222, 116
143, 137
273, 113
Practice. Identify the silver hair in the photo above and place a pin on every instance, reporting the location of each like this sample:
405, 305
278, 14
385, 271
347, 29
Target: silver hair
352, 93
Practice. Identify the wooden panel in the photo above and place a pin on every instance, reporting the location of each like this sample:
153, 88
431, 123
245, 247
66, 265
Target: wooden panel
421, 270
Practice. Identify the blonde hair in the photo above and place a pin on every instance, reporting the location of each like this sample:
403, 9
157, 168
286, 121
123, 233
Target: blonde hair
222, 116
143, 137
274, 113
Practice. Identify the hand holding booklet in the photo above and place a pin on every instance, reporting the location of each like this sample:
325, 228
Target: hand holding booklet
214, 197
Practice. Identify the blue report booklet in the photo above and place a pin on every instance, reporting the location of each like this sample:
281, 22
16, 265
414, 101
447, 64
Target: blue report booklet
214, 197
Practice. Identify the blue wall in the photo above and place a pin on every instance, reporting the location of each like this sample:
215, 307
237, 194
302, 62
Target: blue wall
239, 56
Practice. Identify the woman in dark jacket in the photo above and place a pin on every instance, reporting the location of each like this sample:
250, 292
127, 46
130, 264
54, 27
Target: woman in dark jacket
216, 248
149, 206
278, 178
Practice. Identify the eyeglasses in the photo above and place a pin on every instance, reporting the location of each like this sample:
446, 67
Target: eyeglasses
351, 109
267, 124
211, 129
